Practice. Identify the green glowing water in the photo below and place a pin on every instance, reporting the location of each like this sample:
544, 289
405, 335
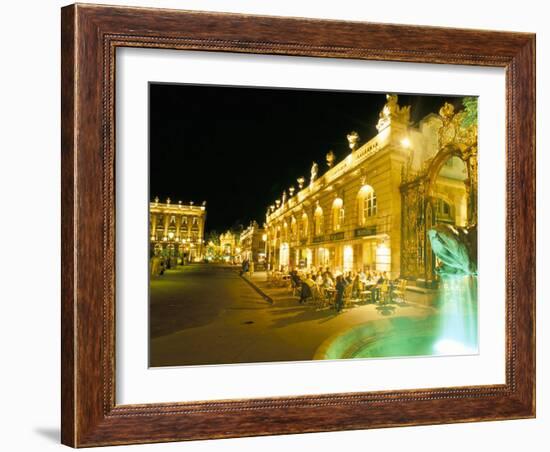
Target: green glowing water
457, 330
451, 331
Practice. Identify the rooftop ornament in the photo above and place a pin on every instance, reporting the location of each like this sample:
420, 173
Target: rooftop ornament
300, 181
353, 140
331, 157
458, 128
291, 191
392, 113
314, 172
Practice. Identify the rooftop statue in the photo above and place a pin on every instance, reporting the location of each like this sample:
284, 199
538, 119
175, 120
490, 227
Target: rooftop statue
330, 159
353, 140
314, 171
393, 113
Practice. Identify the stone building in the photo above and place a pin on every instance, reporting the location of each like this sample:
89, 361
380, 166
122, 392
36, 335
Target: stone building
176, 231
229, 246
252, 244
372, 210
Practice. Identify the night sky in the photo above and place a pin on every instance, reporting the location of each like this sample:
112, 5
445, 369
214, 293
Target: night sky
239, 148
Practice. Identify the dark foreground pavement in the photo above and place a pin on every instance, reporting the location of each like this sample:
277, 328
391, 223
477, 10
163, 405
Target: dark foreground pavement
192, 296
207, 314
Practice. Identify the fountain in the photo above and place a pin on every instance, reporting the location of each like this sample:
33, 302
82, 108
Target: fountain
451, 331
457, 299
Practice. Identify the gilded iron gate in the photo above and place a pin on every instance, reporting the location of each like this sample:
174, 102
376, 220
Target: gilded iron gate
457, 138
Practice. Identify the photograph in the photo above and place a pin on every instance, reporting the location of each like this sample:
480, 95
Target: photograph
299, 224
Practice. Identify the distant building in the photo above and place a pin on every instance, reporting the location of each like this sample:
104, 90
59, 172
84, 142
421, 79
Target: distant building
228, 246
176, 231
372, 210
252, 245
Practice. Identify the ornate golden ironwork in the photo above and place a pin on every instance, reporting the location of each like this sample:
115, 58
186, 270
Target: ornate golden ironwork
455, 139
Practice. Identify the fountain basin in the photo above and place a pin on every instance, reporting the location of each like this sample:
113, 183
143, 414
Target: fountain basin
394, 337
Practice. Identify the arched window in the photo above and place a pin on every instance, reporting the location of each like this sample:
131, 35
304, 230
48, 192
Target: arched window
318, 221
337, 214
366, 204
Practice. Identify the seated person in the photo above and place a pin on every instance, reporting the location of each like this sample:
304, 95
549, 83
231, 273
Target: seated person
295, 278
319, 279
328, 282
356, 286
306, 286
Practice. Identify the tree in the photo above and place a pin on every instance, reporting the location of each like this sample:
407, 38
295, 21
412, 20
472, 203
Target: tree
470, 109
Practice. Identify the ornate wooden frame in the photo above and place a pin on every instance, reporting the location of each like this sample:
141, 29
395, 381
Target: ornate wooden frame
90, 35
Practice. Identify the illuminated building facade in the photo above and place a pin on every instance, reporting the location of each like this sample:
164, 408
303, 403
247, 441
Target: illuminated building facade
252, 244
229, 246
176, 231
372, 210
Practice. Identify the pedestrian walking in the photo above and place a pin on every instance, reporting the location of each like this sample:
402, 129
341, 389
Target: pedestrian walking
340, 288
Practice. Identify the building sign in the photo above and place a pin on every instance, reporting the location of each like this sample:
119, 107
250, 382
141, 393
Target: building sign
337, 236
365, 232
318, 239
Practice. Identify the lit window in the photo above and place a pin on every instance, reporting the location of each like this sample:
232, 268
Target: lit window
443, 210
337, 214
348, 258
367, 203
370, 202
318, 221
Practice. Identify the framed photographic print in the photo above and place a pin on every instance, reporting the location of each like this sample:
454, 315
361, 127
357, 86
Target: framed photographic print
278, 225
